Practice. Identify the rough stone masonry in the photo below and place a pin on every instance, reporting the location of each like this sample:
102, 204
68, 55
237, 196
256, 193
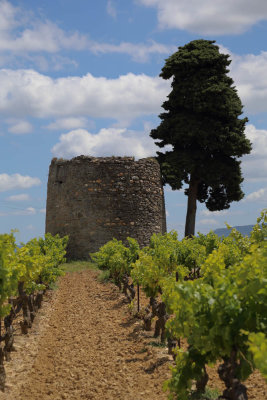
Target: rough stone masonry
93, 200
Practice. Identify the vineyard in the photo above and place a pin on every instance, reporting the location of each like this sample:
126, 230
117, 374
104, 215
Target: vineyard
206, 299
209, 291
26, 273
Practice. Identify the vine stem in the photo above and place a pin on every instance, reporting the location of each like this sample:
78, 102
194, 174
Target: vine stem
138, 297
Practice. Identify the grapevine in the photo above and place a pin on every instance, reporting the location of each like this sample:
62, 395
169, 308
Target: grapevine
25, 273
210, 291
221, 314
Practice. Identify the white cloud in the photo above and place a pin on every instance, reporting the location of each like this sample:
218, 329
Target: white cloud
17, 181
250, 76
209, 17
259, 195
30, 227
254, 165
207, 221
29, 93
18, 197
43, 210
167, 188
55, 62
208, 213
26, 211
19, 127
36, 36
68, 123
45, 37
111, 9
140, 52
107, 142
8, 16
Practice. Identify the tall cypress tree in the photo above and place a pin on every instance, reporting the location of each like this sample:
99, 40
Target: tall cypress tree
201, 122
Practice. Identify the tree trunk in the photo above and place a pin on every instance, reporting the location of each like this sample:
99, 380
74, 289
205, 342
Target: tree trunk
191, 207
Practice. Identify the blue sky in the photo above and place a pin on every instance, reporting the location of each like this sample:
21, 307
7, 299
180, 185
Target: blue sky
82, 77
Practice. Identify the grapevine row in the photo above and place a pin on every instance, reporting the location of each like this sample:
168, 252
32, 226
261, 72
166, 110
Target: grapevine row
208, 290
25, 273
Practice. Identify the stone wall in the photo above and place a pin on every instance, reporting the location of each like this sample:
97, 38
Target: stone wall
95, 199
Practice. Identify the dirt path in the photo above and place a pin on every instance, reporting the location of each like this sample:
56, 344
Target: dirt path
84, 345
90, 350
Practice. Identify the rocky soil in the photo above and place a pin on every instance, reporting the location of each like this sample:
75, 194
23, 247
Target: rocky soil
85, 345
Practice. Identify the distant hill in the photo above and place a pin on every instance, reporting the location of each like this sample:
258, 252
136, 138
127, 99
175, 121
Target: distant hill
245, 230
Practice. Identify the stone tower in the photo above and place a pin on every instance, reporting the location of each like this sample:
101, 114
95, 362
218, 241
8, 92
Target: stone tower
93, 200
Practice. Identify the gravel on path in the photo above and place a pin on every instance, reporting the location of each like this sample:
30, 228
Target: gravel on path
84, 344
91, 349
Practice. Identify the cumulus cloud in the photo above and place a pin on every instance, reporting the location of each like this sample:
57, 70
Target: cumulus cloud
111, 9
208, 213
139, 52
207, 221
9, 16
209, 17
26, 211
254, 165
19, 127
35, 36
106, 142
17, 181
55, 62
29, 93
250, 76
30, 227
46, 37
68, 123
259, 195
18, 197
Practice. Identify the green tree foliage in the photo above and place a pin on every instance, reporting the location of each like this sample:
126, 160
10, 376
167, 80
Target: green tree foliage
201, 122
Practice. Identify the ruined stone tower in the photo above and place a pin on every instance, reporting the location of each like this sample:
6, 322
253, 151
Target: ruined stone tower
93, 200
